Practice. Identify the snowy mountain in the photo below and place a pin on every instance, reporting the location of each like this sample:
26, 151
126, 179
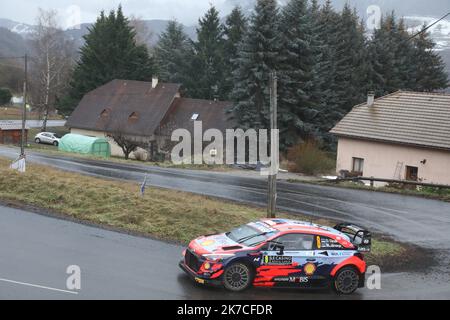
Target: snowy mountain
22, 29
440, 31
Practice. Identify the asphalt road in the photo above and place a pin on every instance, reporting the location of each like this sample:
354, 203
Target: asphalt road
38, 123
119, 266
408, 219
36, 250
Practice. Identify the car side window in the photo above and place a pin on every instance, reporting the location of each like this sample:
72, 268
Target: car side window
326, 243
294, 242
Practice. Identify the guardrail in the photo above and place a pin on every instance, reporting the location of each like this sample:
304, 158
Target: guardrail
401, 182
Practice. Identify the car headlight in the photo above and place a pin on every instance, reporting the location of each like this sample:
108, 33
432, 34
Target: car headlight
215, 257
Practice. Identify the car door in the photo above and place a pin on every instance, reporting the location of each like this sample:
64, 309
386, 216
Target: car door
288, 260
329, 253
46, 138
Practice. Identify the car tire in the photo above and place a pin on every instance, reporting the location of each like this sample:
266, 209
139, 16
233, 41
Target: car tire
346, 281
37, 140
238, 277
55, 143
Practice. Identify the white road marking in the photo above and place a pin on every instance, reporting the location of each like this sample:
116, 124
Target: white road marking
37, 286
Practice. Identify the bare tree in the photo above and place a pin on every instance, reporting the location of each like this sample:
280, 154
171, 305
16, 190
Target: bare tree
127, 144
51, 63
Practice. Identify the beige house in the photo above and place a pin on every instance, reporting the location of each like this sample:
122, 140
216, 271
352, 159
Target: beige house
401, 136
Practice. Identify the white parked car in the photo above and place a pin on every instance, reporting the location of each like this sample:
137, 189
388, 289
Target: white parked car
47, 138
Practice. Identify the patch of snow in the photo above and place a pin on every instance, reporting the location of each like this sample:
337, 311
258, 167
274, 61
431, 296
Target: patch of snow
329, 177
440, 32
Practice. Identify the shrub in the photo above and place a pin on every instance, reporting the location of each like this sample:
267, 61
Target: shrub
5, 96
308, 158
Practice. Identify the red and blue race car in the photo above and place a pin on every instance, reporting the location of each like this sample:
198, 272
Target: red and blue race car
281, 253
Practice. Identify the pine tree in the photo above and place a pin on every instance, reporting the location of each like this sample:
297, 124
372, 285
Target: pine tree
390, 57
110, 52
349, 57
297, 105
207, 66
430, 73
172, 53
258, 57
325, 21
234, 30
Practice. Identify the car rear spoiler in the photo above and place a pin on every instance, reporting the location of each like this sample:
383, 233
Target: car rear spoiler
359, 236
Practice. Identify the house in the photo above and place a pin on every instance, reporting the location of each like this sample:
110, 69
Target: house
401, 136
11, 132
144, 112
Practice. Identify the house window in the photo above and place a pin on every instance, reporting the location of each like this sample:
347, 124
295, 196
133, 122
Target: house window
412, 173
195, 116
105, 113
134, 116
358, 166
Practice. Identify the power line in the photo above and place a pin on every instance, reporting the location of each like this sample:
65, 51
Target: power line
428, 27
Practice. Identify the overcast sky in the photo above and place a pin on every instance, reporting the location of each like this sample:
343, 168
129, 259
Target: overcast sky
185, 11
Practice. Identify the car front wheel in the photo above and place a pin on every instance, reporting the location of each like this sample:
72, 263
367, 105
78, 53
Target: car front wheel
346, 281
55, 143
237, 277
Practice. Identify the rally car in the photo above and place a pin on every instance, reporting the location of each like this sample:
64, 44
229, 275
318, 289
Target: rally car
281, 253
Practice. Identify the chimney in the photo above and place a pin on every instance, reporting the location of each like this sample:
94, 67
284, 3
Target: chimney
155, 81
370, 98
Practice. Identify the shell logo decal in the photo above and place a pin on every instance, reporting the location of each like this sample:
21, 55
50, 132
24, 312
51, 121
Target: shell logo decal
309, 269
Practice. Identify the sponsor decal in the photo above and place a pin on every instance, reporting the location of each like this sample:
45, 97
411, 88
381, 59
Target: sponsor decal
201, 281
208, 243
291, 279
277, 260
327, 243
309, 269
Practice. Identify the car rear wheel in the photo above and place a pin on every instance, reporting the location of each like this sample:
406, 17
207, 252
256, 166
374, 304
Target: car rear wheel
346, 281
237, 277
37, 140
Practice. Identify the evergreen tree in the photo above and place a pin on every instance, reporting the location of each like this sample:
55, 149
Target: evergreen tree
207, 65
349, 57
390, 57
325, 21
172, 53
298, 107
110, 52
257, 58
430, 73
234, 30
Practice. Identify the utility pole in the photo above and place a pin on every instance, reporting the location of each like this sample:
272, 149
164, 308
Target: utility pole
272, 187
24, 111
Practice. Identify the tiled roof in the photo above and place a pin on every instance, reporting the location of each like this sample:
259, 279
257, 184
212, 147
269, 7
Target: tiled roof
413, 118
213, 114
120, 99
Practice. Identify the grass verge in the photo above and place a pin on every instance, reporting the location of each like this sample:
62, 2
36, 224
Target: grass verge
424, 192
160, 213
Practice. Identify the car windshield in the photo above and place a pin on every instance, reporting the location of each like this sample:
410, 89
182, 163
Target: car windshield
250, 235
56, 136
